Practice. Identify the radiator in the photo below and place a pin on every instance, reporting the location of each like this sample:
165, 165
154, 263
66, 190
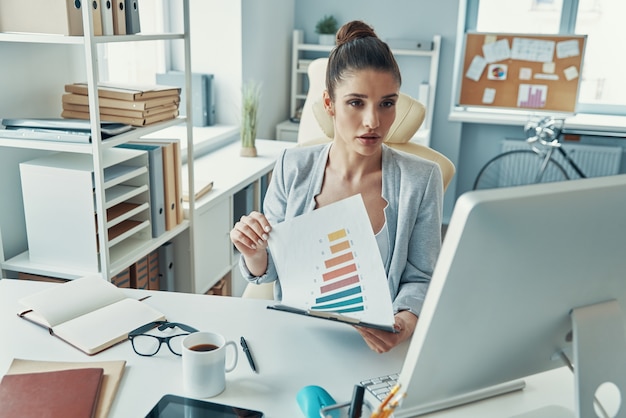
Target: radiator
593, 160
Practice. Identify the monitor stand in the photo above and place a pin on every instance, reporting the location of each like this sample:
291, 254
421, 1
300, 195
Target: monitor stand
599, 348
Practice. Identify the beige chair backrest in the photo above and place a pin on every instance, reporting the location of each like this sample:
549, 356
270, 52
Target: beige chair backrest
410, 115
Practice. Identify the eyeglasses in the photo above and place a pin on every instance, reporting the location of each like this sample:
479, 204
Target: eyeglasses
148, 345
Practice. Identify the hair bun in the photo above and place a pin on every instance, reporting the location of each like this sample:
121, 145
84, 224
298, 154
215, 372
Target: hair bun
354, 30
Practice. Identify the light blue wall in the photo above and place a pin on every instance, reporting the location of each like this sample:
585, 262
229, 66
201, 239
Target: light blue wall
408, 19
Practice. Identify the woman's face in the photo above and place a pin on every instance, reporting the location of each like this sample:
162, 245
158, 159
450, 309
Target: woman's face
364, 109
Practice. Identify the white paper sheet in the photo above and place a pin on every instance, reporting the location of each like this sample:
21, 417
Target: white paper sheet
328, 261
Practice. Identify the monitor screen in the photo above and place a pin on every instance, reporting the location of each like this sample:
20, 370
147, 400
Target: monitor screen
514, 264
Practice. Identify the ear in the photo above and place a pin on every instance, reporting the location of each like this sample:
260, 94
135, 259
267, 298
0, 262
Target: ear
328, 103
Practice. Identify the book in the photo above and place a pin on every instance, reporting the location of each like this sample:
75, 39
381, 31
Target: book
139, 113
75, 126
336, 271
46, 135
124, 91
122, 104
113, 372
148, 120
61, 393
88, 313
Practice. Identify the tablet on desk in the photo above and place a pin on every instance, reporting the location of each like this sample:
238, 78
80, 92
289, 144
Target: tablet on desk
172, 406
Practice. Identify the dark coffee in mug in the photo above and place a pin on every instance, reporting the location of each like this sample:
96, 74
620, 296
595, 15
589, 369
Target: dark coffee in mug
204, 347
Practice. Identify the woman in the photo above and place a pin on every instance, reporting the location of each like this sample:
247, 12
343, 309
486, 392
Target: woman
402, 193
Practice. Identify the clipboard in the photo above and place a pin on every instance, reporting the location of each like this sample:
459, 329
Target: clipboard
332, 317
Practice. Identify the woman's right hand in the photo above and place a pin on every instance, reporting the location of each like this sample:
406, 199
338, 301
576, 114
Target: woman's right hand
249, 236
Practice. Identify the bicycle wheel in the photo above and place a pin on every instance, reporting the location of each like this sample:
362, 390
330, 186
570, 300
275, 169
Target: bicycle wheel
518, 168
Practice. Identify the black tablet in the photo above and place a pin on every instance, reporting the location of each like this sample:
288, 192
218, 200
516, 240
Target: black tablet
172, 406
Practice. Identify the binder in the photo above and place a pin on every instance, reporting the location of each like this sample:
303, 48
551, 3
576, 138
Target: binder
106, 9
157, 188
119, 17
178, 175
97, 17
132, 17
166, 267
172, 179
202, 99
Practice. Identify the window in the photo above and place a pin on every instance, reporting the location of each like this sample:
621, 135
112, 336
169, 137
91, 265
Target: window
136, 62
603, 85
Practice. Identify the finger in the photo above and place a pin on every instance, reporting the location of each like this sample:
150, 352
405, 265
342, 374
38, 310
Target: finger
258, 223
262, 220
243, 234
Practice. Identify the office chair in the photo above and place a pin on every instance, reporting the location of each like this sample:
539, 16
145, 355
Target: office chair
316, 126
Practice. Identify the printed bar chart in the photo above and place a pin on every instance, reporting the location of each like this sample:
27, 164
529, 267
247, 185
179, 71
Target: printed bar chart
335, 271
532, 96
341, 290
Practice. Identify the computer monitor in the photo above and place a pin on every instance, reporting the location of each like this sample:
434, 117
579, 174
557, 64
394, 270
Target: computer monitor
516, 268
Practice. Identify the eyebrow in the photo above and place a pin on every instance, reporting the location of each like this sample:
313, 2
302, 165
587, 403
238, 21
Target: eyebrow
364, 96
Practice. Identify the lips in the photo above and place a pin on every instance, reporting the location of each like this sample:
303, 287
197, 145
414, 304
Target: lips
369, 137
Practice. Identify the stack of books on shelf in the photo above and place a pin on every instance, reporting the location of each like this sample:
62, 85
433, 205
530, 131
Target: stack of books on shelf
130, 104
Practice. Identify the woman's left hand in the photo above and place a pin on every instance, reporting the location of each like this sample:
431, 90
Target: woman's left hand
383, 341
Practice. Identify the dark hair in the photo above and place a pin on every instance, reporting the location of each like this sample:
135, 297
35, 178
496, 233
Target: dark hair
358, 48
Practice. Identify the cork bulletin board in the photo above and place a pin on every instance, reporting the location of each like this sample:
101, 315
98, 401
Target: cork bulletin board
524, 72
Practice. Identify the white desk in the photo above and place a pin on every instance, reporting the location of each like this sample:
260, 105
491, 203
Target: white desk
291, 352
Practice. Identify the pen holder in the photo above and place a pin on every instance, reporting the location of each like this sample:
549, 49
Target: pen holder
342, 410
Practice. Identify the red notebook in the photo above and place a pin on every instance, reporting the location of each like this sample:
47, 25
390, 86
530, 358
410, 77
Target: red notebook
64, 393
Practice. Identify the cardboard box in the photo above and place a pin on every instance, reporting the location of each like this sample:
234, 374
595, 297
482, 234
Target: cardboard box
61, 17
122, 279
139, 274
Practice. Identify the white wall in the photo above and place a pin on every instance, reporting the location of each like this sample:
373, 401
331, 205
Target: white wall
238, 40
266, 48
32, 88
215, 27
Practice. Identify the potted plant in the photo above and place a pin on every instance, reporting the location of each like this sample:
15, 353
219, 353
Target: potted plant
327, 27
250, 97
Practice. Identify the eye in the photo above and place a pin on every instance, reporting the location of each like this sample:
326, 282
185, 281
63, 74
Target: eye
388, 103
355, 102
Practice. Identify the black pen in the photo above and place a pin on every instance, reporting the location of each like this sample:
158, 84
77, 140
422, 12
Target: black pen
246, 350
356, 405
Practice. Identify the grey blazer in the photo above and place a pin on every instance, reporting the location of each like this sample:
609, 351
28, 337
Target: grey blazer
413, 188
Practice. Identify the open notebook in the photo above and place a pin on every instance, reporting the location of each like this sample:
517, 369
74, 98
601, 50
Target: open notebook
89, 313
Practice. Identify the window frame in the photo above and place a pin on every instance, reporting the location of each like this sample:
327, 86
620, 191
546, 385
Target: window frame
468, 18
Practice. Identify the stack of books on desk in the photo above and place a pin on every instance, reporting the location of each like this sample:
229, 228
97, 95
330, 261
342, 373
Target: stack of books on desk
130, 104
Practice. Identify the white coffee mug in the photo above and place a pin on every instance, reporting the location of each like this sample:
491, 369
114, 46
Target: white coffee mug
204, 364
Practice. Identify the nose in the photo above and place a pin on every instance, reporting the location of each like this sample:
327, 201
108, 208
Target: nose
371, 119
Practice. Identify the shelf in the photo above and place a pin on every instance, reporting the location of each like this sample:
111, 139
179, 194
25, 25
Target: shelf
124, 230
122, 211
44, 38
87, 205
122, 255
119, 194
87, 148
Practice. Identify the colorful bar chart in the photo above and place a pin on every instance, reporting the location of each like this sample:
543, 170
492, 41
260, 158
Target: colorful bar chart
340, 290
532, 95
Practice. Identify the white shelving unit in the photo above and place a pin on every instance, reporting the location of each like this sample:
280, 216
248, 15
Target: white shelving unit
299, 84
100, 177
